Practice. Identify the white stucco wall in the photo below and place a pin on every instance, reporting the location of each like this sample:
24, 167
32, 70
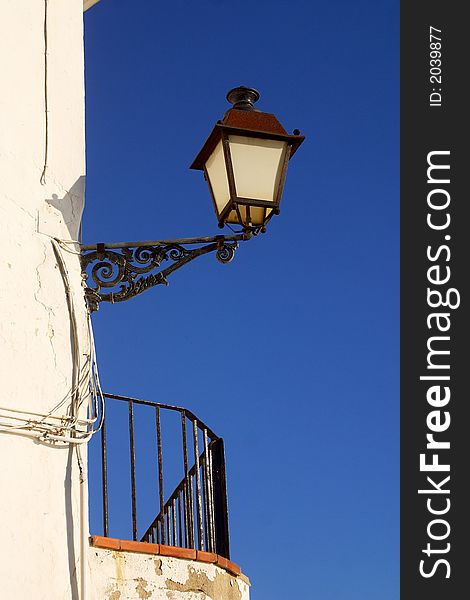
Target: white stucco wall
39, 500
118, 575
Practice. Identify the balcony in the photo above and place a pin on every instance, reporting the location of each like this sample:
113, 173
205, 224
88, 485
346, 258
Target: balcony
147, 448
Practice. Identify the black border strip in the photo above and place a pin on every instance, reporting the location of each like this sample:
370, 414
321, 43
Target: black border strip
434, 261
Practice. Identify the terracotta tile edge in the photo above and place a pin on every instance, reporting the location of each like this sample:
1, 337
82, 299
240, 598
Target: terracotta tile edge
99, 541
228, 565
207, 557
104, 542
176, 552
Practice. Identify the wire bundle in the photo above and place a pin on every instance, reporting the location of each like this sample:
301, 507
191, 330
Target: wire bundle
57, 426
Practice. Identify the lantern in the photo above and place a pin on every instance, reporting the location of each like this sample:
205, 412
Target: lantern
245, 160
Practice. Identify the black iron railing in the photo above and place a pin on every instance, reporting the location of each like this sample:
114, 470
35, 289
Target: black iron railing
195, 514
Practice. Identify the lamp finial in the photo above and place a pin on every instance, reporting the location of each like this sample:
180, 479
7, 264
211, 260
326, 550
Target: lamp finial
243, 98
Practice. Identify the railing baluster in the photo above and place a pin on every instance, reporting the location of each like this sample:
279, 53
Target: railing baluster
220, 499
211, 481
164, 527
187, 489
200, 541
104, 478
160, 467
173, 519
133, 486
206, 495
193, 511
180, 524
168, 525
209, 495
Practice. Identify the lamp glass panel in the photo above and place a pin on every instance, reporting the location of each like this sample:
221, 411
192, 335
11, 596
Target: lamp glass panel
217, 174
257, 166
257, 216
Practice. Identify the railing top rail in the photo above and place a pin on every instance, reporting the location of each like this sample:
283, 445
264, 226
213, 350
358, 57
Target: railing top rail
190, 415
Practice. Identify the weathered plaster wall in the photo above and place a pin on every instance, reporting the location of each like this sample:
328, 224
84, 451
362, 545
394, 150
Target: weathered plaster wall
118, 575
39, 500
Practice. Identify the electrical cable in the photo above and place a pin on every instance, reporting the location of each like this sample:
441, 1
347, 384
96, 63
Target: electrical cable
46, 108
86, 386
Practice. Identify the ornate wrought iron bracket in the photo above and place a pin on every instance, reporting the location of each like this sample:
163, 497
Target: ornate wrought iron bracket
126, 269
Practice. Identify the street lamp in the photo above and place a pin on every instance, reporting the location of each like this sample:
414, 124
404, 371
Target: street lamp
244, 160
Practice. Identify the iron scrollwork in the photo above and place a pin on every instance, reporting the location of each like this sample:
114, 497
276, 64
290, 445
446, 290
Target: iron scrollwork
119, 272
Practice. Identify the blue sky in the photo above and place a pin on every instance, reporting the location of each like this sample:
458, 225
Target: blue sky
290, 353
